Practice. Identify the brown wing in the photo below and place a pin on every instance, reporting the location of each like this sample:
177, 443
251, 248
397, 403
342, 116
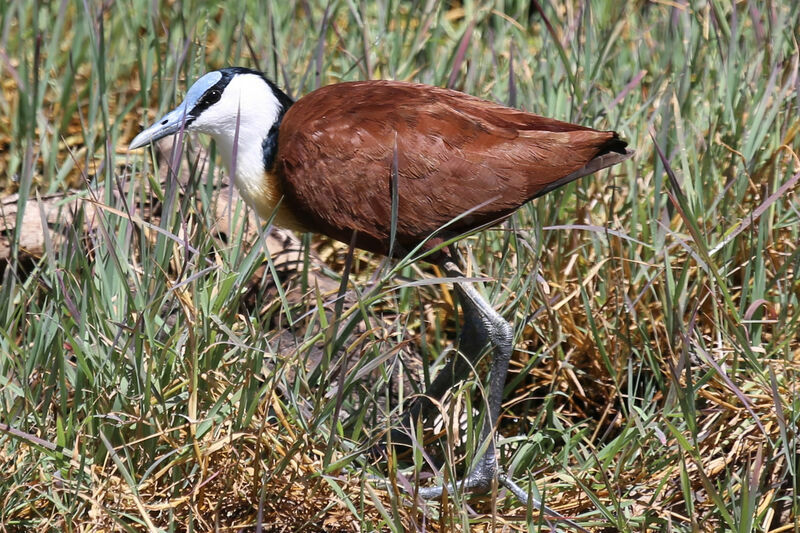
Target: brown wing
456, 154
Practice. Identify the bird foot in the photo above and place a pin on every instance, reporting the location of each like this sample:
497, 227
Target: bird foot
474, 482
480, 481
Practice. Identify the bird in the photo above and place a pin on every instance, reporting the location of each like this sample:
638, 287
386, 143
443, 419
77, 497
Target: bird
394, 168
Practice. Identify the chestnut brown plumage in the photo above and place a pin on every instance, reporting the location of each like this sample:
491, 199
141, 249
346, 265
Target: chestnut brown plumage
330, 162
456, 154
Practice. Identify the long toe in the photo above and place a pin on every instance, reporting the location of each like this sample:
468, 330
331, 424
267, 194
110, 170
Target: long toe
473, 483
480, 482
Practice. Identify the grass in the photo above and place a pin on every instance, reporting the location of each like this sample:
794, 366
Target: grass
155, 375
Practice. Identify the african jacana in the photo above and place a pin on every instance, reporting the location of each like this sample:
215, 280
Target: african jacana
334, 161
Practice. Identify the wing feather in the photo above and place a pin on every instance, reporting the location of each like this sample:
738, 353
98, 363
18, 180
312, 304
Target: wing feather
455, 152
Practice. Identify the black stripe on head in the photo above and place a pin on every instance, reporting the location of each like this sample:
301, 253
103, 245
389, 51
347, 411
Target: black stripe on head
270, 144
211, 96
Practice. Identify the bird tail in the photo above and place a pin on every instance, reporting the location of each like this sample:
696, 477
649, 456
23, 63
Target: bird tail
614, 144
611, 153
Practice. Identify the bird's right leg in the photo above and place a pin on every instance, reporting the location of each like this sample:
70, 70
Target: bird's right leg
482, 327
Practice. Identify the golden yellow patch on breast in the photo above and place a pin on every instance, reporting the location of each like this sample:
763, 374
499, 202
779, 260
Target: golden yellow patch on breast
267, 199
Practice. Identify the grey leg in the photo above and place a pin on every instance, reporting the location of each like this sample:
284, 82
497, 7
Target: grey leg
482, 326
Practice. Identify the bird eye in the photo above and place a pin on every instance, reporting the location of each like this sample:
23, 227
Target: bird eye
212, 97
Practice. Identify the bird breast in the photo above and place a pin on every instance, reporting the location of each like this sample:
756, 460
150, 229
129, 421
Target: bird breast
260, 189
266, 198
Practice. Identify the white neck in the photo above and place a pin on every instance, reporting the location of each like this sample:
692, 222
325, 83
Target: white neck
248, 169
249, 107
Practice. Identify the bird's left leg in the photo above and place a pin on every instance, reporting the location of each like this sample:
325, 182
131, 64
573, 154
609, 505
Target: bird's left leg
483, 325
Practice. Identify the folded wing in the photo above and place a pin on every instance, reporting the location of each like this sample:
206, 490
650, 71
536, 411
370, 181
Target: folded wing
455, 154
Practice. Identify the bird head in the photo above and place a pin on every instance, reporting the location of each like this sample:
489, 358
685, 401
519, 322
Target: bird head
229, 103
